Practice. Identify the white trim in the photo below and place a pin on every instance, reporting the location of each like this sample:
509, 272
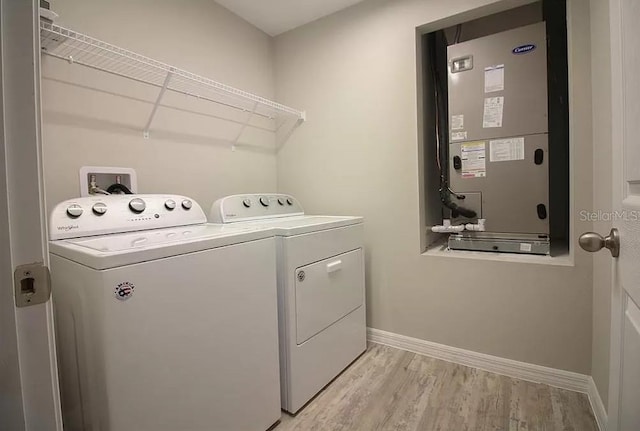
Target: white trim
618, 193
11, 407
596, 405
33, 325
507, 367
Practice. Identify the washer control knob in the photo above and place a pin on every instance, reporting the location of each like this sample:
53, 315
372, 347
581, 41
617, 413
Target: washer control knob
99, 208
281, 201
170, 204
187, 204
74, 210
289, 201
137, 205
264, 201
246, 203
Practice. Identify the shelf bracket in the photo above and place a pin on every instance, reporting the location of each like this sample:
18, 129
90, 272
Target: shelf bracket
244, 126
282, 137
145, 133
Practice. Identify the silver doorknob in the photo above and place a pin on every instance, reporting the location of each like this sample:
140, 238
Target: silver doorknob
591, 241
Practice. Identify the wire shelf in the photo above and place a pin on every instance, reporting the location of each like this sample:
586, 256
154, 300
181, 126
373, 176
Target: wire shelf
81, 49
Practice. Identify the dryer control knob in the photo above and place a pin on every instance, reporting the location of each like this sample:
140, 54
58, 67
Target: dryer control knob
74, 211
99, 208
170, 204
187, 204
137, 205
246, 203
289, 201
281, 201
264, 201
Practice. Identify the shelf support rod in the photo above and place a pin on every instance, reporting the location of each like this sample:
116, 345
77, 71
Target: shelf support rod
145, 133
244, 126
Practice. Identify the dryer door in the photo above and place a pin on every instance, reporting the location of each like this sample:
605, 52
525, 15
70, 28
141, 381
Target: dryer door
326, 291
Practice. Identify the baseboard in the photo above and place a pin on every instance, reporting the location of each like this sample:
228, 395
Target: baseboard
596, 405
507, 367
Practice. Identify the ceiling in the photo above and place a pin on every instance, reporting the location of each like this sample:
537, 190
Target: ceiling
277, 16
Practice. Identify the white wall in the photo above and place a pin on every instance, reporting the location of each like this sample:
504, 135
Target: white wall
602, 186
355, 74
92, 118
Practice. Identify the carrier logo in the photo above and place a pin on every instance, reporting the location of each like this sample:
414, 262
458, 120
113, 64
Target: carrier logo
124, 290
68, 227
523, 49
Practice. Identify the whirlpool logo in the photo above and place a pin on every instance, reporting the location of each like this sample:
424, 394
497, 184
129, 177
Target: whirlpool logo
124, 290
523, 49
67, 228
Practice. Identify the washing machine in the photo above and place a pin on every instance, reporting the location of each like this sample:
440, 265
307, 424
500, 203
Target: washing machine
164, 322
321, 292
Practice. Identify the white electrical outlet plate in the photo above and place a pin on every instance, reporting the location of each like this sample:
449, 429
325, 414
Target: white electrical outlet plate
105, 176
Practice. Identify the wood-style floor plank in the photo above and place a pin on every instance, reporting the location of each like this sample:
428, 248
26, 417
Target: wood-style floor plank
388, 389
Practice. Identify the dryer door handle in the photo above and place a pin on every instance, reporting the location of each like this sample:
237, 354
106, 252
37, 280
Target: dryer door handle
334, 266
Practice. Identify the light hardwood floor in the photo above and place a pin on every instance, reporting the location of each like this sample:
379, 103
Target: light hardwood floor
390, 389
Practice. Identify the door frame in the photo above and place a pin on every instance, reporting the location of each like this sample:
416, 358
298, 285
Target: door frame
31, 398
618, 299
617, 124
11, 408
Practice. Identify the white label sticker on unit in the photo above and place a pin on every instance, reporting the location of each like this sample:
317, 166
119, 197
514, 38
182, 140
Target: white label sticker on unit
525, 246
458, 136
492, 115
457, 122
504, 150
473, 160
494, 78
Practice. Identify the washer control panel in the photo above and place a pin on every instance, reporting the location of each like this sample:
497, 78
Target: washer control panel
99, 215
254, 207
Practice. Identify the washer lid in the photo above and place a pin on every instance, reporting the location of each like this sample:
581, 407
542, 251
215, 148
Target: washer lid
109, 251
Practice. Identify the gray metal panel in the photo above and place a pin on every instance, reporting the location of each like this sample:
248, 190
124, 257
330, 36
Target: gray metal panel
511, 190
525, 83
457, 242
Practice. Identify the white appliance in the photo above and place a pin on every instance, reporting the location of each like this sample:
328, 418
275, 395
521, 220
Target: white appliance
164, 322
321, 305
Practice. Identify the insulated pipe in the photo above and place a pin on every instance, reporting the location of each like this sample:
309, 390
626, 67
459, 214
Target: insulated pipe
447, 227
479, 227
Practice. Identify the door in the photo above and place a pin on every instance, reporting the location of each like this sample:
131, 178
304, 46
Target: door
28, 371
624, 387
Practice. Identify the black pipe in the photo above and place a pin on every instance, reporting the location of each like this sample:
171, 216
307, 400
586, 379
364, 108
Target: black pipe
119, 189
